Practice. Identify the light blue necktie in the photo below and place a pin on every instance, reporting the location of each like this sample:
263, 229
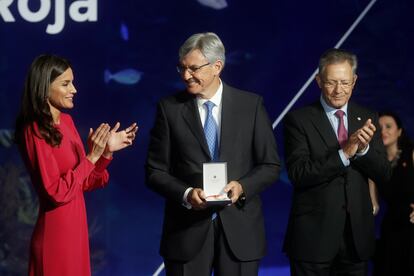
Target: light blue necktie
210, 131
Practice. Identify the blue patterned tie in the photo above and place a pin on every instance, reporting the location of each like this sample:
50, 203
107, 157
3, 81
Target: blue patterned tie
210, 131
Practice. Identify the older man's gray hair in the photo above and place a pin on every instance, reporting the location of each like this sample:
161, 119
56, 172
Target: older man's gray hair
334, 56
209, 44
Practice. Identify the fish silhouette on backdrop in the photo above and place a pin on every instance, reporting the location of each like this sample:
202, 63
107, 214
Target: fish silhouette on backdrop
238, 57
126, 76
214, 4
6, 137
123, 30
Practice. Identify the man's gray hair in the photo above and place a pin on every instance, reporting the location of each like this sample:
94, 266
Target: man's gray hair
334, 56
209, 44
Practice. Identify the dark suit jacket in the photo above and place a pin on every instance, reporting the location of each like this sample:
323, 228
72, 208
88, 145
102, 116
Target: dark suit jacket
176, 153
324, 188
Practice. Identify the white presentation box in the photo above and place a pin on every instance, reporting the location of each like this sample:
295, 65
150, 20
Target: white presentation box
214, 181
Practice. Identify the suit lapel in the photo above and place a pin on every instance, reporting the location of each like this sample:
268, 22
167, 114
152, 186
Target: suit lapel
355, 120
192, 118
323, 126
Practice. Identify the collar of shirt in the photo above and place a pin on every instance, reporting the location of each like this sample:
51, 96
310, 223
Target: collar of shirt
216, 99
330, 112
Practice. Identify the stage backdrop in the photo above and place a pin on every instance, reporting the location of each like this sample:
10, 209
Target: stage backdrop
124, 55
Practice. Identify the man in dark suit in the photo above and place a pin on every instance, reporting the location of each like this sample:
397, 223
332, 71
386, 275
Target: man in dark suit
211, 121
332, 148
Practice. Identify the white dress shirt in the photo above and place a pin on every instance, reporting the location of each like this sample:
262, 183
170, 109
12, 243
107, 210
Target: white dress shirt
216, 99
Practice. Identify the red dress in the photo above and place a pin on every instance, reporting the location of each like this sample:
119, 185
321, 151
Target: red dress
60, 175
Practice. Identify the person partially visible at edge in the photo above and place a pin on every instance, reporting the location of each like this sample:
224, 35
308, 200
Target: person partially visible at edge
332, 148
59, 168
211, 122
395, 251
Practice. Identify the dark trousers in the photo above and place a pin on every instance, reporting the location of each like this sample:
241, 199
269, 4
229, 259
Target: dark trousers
346, 261
215, 254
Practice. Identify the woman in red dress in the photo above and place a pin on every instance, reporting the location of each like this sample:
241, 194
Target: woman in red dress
60, 169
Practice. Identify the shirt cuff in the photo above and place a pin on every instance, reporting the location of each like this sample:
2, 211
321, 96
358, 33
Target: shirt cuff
185, 202
345, 160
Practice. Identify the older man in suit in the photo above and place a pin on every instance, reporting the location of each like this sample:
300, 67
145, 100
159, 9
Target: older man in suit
332, 148
211, 121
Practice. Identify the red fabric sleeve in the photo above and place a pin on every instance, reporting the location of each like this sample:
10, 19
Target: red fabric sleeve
99, 176
59, 188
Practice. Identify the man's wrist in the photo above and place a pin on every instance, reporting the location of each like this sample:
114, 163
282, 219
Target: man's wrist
363, 152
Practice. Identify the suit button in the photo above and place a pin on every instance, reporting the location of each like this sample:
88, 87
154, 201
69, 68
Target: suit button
344, 207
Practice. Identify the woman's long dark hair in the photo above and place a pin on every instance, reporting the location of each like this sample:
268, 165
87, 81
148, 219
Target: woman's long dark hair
34, 105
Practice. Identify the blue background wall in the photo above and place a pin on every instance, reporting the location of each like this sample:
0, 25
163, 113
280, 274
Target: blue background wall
272, 49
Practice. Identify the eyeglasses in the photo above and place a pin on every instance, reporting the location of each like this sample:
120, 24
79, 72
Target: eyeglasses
191, 69
346, 84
